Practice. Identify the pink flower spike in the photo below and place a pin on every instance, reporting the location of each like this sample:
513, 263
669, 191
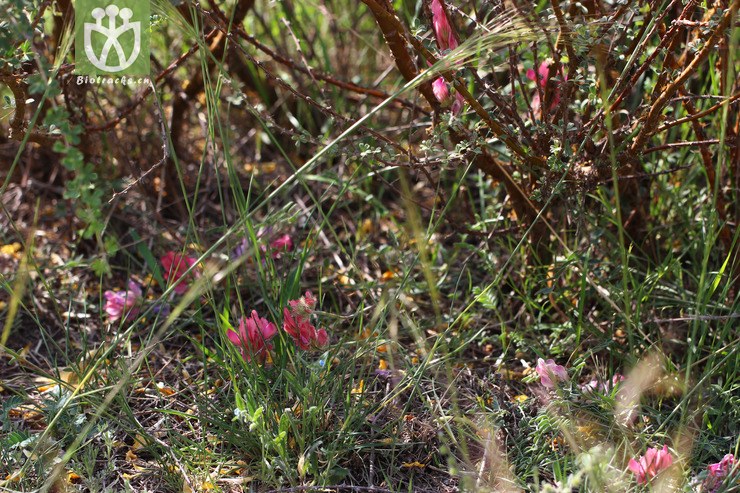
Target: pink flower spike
134, 289
322, 338
440, 90
236, 338
651, 464
253, 336
591, 386
442, 30
550, 373
543, 73
175, 266
115, 302
542, 77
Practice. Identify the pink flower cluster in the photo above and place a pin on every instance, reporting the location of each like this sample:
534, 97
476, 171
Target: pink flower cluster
446, 40
655, 460
175, 267
128, 303
123, 303
303, 306
254, 334
297, 325
647, 466
717, 473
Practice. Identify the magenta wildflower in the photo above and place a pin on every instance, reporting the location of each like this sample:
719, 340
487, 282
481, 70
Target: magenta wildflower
442, 29
457, 106
543, 73
717, 472
446, 40
253, 336
118, 303
175, 266
550, 373
241, 249
441, 92
276, 246
649, 465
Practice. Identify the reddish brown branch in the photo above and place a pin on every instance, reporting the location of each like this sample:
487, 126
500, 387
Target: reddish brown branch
18, 126
393, 30
656, 109
675, 145
732, 99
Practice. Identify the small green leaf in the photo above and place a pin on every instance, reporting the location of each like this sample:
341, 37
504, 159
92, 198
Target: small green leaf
100, 267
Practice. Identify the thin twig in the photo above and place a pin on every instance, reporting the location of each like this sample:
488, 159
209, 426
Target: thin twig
165, 147
732, 99
681, 144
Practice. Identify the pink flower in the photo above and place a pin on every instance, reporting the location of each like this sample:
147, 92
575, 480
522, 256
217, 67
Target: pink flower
282, 244
649, 465
322, 338
253, 336
303, 306
442, 30
119, 302
441, 92
543, 72
175, 266
541, 77
550, 373
303, 332
446, 40
716, 473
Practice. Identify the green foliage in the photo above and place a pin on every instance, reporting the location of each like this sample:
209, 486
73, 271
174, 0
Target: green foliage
85, 189
16, 34
437, 306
